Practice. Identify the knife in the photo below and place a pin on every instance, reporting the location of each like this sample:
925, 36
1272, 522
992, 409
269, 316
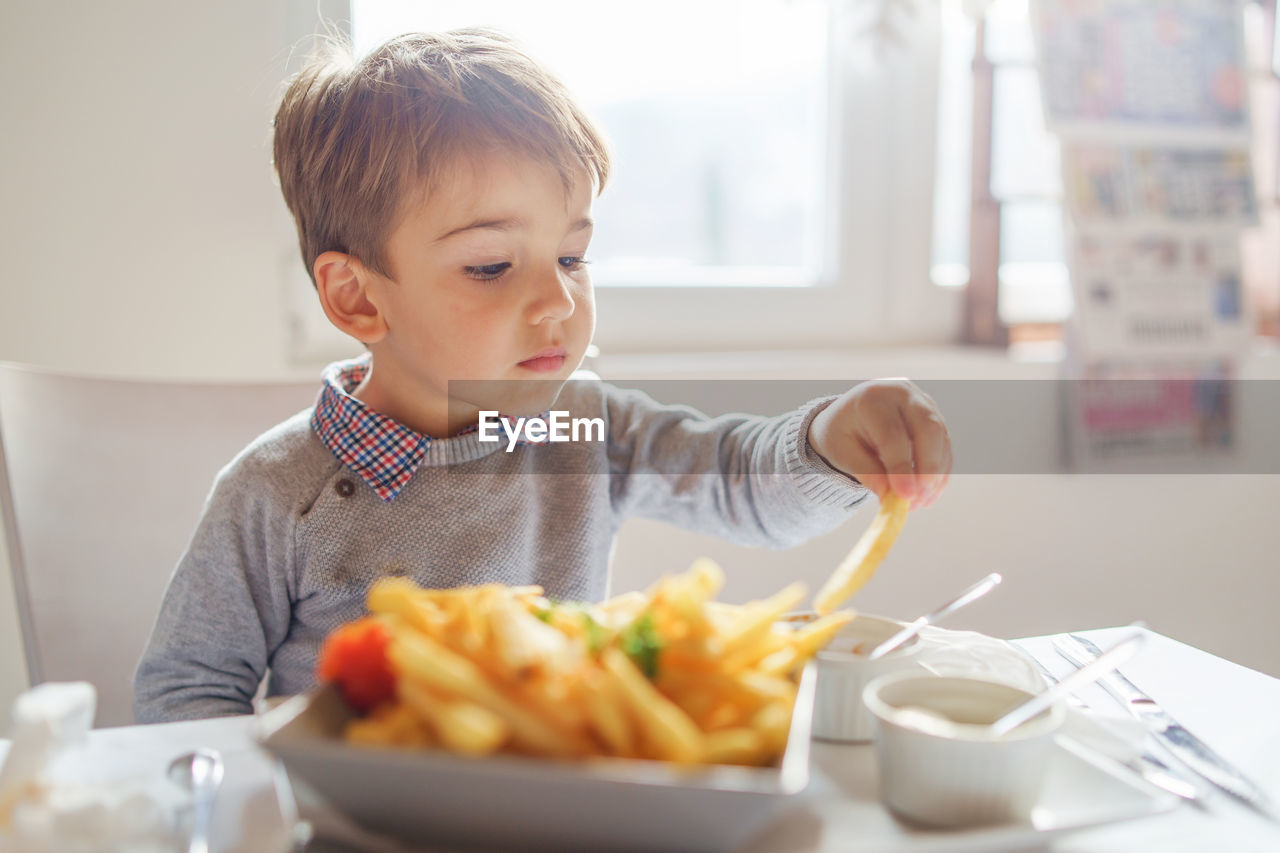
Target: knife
1184, 746
1146, 765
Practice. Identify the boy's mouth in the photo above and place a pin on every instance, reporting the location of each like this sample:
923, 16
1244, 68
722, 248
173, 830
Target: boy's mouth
547, 361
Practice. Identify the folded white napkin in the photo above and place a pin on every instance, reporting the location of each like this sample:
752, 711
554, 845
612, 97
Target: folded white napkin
46, 802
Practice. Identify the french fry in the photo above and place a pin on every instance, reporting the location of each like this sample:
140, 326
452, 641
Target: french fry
773, 722
462, 726
524, 643
622, 609
807, 640
739, 745
392, 724
759, 617
669, 730
607, 715
861, 563
401, 597
805, 643
765, 644
417, 656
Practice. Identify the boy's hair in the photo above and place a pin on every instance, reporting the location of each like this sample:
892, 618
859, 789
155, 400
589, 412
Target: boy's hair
355, 141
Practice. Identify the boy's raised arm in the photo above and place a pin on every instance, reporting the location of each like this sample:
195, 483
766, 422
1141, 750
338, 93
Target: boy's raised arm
750, 479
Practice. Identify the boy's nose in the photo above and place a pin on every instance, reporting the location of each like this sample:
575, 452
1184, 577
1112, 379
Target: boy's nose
552, 299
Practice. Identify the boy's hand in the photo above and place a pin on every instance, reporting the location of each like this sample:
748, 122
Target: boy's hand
890, 436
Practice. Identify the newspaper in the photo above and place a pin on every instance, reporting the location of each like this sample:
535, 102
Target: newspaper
1159, 293
1141, 187
1135, 416
1131, 69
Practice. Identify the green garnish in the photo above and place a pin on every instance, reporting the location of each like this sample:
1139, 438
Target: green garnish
641, 643
595, 634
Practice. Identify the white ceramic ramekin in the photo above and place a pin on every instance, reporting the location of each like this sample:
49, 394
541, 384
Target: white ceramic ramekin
843, 671
957, 774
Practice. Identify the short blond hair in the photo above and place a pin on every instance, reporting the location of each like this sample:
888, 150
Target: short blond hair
355, 141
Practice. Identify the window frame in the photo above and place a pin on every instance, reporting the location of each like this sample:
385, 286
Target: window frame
875, 286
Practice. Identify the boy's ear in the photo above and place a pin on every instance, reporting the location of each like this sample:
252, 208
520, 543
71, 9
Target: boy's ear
343, 284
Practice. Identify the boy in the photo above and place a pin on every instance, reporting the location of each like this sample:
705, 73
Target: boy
442, 189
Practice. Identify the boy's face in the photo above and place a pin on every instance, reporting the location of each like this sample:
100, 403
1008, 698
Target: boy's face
487, 283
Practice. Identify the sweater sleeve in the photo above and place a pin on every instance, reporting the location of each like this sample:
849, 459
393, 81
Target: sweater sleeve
226, 609
749, 479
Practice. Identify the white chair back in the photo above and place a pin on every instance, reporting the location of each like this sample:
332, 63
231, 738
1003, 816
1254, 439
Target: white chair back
101, 484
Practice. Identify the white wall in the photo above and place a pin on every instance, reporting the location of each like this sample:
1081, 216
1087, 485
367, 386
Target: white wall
143, 231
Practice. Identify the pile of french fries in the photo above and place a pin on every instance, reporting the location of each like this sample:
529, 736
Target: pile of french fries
669, 674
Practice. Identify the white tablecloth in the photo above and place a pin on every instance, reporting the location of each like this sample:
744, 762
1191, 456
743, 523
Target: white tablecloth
1234, 709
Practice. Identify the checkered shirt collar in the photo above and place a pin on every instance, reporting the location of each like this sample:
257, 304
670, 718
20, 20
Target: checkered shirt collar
383, 451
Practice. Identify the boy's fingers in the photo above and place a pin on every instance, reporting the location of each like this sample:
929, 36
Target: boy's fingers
931, 444
890, 439
931, 449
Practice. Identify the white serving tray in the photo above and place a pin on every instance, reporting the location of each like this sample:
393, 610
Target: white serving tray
432, 798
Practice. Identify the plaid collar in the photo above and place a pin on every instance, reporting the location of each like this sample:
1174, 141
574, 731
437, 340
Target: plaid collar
383, 451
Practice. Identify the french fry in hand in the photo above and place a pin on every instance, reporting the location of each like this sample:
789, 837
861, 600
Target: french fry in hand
861, 563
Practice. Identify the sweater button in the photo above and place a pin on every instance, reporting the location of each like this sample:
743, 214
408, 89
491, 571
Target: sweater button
345, 487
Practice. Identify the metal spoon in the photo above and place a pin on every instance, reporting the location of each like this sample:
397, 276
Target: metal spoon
200, 772
1087, 674
969, 596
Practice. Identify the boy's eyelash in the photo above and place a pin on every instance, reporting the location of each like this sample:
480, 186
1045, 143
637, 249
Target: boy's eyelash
492, 272
487, 272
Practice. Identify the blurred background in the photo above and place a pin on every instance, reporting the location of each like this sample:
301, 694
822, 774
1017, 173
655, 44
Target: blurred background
804, 189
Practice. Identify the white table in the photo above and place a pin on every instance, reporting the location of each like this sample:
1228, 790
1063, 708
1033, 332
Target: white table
1236, 710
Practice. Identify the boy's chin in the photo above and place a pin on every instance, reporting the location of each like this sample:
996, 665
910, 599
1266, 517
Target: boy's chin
511, 397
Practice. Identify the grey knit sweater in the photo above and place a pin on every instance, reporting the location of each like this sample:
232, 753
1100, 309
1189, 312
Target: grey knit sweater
291, 540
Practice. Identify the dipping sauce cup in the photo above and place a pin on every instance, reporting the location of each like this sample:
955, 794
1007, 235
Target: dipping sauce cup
844, 670
939, 763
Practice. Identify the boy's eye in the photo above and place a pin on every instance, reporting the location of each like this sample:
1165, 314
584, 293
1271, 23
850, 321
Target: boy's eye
573, 262
487, 272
